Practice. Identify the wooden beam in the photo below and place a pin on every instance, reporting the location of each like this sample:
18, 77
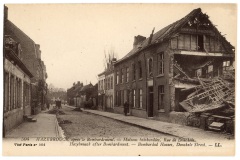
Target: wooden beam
209, 54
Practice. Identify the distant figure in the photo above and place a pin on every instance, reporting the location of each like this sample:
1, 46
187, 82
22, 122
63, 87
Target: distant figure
48, 105
58, 103
126, 107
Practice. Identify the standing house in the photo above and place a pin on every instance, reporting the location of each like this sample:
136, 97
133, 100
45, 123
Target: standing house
73, 96
154, 73
109, 86
31, 58
101, 91
17, 93
106, 87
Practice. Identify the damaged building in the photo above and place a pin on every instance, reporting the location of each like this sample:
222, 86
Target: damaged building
181, 74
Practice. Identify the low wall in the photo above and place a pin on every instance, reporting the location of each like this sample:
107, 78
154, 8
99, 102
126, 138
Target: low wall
12, 119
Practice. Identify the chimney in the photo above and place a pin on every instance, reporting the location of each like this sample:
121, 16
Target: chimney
74, 84
137, 40
5, 13
78, 83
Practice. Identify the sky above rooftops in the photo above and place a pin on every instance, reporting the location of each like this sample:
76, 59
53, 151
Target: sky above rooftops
73, 37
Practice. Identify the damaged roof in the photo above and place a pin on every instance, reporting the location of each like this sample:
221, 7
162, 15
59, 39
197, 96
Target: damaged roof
167, 32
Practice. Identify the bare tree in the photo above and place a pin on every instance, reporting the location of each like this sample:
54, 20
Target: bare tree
109, 55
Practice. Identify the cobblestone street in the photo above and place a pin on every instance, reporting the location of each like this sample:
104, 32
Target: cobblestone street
81, 124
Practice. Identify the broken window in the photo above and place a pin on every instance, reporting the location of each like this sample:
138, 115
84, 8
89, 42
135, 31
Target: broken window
160, 63
226, 65
181, 41
210, 71
194, 42
200, 42
199, 72
161, 98
174, 43
207, 43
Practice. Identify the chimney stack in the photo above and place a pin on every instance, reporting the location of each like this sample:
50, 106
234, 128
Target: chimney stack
137, 40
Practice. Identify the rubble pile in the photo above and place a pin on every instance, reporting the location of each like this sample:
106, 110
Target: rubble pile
212, 105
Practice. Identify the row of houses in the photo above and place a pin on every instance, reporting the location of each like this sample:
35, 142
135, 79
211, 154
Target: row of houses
162, 70
25, 75
80, 95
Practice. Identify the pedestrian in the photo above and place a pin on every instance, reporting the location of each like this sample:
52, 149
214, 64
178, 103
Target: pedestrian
126, 106
48, 105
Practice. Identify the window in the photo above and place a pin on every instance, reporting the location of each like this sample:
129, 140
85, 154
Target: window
112, 82
160, 58
122, 74
161, 98
6, 92
194, 42
12, 92
134, 71
117, 76
127, 75
210, 71
150, 67
199, 72
99, 85
104, 83
226, 64
200, 42
140, 98
134, 98
26, 94
140, 69
181, 41
117, 98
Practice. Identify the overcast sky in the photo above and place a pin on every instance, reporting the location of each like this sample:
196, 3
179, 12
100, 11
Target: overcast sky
73, 37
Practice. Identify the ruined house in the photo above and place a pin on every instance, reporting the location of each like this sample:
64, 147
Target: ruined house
161, 71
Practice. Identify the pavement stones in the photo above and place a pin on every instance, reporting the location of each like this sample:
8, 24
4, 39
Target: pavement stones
164, 127
46, 126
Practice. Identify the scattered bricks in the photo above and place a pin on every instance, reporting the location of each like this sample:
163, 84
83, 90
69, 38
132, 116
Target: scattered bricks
179, 117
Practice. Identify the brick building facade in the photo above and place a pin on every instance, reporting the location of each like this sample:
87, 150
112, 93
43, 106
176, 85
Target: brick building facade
31, 58
17, 93
154, 75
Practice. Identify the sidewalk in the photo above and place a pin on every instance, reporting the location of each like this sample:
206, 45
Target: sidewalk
163, 127
46, 126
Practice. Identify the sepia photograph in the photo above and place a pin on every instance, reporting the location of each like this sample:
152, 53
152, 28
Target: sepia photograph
118, 79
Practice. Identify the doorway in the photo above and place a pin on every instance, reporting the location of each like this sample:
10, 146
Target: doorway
150, 101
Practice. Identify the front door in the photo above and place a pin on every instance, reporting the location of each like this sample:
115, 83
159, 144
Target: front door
128, 99
150, 101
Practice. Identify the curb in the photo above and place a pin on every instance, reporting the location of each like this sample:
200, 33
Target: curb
137, 125
58, 129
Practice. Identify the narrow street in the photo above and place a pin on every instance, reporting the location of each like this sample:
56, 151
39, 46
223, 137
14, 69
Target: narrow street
81, 124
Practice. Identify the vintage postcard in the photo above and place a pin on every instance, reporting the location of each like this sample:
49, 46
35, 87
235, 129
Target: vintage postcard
119, 79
